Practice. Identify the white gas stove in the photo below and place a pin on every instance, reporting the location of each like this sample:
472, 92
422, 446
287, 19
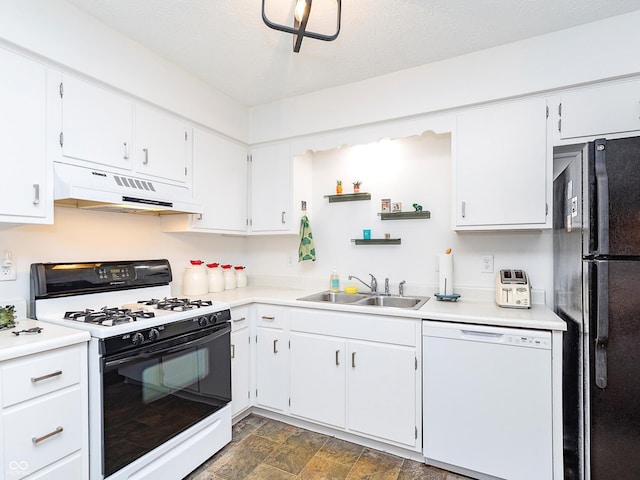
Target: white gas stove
159, 366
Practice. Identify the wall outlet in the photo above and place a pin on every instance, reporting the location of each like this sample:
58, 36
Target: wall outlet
487, 264
7, 266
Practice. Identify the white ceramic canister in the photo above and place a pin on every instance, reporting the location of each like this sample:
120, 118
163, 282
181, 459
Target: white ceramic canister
241, 277
215, 278
194, 280
229, 277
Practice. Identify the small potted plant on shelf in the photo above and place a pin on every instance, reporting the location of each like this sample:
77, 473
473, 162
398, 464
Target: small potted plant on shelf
338, 187
356, 186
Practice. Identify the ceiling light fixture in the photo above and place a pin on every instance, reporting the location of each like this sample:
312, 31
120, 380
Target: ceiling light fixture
300, 19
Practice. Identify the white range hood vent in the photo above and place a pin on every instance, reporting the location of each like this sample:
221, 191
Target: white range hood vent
90, 188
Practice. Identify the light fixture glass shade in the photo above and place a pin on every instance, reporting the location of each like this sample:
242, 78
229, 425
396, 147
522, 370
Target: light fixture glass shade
301, 6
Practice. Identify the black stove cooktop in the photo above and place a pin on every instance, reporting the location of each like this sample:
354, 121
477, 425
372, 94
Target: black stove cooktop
108, 316
176, 304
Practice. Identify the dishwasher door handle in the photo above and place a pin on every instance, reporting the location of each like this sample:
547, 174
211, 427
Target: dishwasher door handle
480, 335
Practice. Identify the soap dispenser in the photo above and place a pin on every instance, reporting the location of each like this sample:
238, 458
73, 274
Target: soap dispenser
334, 282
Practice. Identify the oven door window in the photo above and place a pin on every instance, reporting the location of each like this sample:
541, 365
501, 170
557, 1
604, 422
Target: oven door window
156, 392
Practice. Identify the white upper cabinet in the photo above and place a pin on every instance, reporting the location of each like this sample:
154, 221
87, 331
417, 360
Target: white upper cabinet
97, 124
602, 110
501, 167
26, 195
161, 144
220, 177
271, 189
103, 127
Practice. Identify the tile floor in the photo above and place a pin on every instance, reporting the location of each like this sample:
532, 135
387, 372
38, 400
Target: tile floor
265, 449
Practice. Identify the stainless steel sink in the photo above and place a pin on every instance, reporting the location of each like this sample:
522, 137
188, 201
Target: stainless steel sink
369, 300
335, 297
393, 301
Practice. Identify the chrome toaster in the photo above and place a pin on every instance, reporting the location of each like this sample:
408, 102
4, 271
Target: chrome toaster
513, 289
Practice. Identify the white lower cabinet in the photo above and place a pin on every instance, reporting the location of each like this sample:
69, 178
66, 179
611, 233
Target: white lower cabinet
318, 378
272, 358
44, 421
240, 360
357, 372
382, 391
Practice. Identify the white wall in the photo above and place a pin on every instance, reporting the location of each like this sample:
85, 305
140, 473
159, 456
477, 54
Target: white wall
74, 41
412, 170
79, 235
587, 53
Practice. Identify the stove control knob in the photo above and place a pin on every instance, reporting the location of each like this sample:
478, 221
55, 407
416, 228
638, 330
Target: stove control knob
154, 334
203, 321
137, 338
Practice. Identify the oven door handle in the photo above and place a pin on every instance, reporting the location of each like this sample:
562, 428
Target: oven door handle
159, 350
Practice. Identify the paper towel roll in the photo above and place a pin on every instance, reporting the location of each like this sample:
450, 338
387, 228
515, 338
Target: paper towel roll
446, 274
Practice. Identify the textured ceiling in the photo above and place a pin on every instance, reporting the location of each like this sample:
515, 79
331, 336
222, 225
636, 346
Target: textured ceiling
225, 42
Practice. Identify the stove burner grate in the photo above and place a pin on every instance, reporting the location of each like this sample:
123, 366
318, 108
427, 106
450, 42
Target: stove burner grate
108, 316
176, 304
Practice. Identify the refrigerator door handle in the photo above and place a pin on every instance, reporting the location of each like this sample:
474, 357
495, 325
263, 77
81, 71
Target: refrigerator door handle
602, 323
601, 242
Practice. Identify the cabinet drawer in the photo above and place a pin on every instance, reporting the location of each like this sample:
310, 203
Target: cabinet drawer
43, 431
239, 318
270, 316
39, 374
67, 468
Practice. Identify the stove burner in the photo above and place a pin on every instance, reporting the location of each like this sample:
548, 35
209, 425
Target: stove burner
108, 316
176, 304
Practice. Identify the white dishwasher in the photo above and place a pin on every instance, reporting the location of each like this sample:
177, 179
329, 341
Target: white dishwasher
487, 400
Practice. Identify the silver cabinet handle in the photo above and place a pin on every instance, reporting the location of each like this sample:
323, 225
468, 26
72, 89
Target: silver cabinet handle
36, 194
271, 319
283, 220
464, 209
337, 357
44, 377
275, 346
353, 359
146, 156
37, 440
233, 351
241, 319
126, 152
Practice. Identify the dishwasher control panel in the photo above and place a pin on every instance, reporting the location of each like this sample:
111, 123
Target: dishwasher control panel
528, 341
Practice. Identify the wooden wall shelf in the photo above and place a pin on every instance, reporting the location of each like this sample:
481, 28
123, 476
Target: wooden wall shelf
377, 241
348, 197
405, 215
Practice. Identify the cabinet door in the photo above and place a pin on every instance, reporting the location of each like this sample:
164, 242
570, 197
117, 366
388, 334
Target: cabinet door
318, 378
271, 189
161, 144
220, 183
382, 391
240, 370
23, 150
500, 167
271, 368
97, 125
600, 110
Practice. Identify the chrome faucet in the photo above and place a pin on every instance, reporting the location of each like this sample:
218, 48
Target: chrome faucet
401, 288
386, 286
374, 283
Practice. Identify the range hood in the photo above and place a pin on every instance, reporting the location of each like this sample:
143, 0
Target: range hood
90, 188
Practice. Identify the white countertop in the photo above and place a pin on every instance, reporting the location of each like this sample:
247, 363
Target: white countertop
51, 336
462, 311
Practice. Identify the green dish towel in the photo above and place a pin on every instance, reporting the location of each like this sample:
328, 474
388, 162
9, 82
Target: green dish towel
306, 250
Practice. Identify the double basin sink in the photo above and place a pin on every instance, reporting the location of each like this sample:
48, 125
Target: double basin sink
367, 299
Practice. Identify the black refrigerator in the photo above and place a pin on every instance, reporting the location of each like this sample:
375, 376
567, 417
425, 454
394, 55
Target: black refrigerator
596, 193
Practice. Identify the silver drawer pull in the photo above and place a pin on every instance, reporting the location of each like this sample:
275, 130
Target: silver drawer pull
233, 351
337, 357
146, 156
275, 346
241, 319
271, 319
44, 377
37, 440
353, 359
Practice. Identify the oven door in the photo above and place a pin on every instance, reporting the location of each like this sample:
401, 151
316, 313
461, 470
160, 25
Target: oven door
155, 392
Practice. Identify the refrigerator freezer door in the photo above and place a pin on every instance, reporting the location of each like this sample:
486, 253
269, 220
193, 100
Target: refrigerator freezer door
614, 420
614, 198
